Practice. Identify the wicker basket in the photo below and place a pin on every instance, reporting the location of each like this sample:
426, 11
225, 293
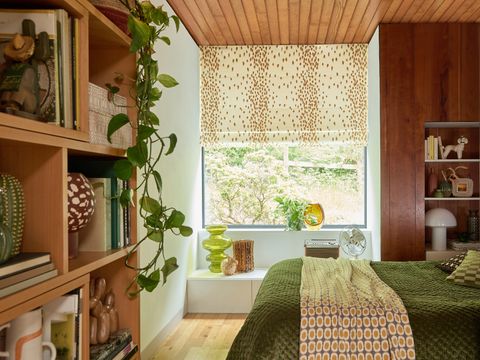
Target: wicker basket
115, 11
243, 253
100, 112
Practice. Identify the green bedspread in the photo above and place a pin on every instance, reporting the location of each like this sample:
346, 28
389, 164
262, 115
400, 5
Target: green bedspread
445, 317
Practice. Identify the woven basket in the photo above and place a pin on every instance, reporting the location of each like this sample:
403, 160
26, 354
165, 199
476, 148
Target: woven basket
243, 253
115, 11
100, 112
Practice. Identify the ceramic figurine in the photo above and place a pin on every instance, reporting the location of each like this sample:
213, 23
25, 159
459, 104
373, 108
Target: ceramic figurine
103, 315
229, 266
462, 140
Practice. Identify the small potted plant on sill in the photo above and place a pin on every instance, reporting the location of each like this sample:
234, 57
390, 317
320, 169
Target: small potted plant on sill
293, 210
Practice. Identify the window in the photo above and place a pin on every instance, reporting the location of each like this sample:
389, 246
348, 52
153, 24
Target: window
241, 183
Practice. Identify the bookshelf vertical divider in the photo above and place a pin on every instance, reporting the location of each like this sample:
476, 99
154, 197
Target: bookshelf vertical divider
38, 155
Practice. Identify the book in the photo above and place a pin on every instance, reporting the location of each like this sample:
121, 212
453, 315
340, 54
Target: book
126, 351
22, 262
97, 235
24, 275
118, 341
102, 168
27, 283
131, 353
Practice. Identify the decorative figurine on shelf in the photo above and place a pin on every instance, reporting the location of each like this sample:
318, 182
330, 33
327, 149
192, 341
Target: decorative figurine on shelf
445, 150
103, 315
19, 77
229, 266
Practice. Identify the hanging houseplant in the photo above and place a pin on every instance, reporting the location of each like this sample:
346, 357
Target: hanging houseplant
146, 24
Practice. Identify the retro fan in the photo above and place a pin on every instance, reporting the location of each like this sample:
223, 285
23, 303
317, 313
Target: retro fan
353, 241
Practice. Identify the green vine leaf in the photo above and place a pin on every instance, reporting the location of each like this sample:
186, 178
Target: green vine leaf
138, 154
169, 267
123, 169
154, 120
140, 33
156, 235
149, 205
158, 180
144, 132
165, 39
167, 81
126, 197
149, 283
173, 143
112, 89
186, 231
116, 123
160, 17
176, 20
175, 220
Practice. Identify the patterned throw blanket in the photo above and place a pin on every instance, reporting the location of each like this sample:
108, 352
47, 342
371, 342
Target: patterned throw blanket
347, 312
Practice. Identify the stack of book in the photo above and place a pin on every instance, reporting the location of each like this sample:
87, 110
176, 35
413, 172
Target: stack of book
55, 63
25, 270
120, 346
433, 147
110, 224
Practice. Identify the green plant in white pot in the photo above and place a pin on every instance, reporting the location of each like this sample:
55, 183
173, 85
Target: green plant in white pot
293, 210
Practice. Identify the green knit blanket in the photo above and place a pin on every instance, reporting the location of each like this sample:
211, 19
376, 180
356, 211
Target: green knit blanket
445, 317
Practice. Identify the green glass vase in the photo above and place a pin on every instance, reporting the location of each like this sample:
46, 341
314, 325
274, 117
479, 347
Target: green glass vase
217, 243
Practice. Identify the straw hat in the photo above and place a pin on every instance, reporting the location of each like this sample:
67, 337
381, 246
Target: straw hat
20, 48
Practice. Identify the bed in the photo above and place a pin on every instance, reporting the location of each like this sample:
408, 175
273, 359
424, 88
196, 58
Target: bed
445, 318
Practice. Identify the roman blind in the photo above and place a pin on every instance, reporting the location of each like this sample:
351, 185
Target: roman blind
283, 94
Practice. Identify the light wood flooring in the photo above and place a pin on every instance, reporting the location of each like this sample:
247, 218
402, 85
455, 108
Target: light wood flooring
201, 337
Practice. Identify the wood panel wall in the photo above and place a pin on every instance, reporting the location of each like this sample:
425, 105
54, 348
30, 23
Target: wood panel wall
428, 72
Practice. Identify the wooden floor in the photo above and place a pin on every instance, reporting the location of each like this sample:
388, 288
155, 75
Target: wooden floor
201, 337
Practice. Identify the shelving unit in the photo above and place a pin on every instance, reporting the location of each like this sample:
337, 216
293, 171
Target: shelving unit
38, 155
459, 206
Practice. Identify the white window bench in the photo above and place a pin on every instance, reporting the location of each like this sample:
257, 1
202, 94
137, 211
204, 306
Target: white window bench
209, 292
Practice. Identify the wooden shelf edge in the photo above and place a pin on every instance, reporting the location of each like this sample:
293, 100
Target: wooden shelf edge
453, 161
452, 199
89, 261
17, 122
81, 266
38, 295
76, 146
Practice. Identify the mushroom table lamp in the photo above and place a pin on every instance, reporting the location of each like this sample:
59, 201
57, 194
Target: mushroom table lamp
439, 219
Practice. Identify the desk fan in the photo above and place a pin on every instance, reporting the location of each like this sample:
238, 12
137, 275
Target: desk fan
353, 241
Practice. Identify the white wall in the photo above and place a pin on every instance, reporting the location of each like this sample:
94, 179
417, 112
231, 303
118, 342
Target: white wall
178, 111
373, 149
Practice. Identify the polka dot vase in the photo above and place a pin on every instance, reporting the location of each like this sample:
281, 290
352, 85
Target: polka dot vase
81, 206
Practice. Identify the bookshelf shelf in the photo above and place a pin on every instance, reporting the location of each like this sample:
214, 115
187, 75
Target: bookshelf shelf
446, 161
452, 199
89, 261
39, 154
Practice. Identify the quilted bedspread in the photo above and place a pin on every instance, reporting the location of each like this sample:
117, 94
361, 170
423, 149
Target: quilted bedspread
445, 317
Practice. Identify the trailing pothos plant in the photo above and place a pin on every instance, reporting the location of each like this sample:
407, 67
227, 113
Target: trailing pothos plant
146, 24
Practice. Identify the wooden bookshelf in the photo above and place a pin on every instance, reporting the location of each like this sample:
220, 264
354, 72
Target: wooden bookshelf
38, 154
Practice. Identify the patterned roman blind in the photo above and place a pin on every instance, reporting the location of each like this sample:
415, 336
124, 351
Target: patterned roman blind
283, 94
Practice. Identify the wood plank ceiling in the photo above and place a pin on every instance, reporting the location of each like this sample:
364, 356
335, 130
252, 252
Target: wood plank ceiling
257, 22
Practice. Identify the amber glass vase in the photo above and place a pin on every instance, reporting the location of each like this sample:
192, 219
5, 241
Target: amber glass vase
217, 243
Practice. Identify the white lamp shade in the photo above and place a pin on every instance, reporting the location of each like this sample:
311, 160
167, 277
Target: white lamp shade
440, 217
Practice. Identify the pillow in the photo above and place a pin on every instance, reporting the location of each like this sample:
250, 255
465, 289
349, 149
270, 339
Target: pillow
468, 272
451, 264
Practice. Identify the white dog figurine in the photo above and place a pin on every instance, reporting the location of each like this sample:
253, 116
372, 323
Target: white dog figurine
462, 140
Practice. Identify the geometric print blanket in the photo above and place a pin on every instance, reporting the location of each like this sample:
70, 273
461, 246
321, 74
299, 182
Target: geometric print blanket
347, 312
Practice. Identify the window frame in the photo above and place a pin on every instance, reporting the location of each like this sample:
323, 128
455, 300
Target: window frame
255, 227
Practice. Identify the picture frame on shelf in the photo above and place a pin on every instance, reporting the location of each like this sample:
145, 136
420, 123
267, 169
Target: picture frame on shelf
462, 187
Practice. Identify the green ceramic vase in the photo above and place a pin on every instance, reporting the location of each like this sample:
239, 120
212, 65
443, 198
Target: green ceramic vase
217, 243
